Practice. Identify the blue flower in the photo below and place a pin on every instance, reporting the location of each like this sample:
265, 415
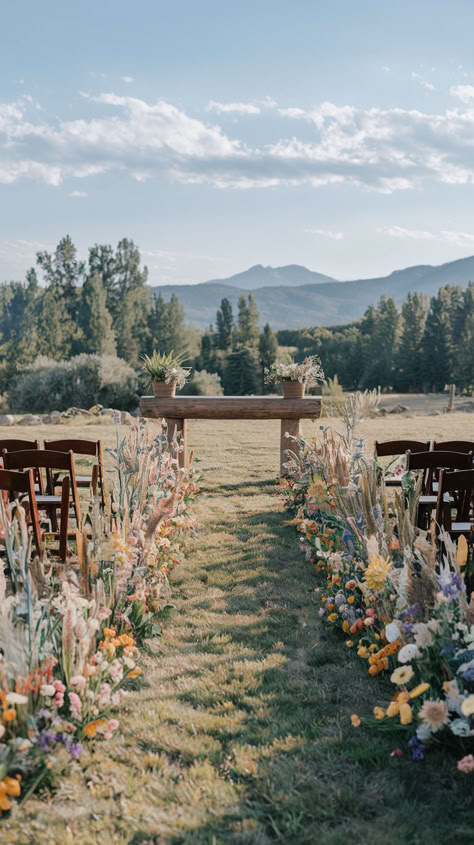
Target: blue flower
417, 748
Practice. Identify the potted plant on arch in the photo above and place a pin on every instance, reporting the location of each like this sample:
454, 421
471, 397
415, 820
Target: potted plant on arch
293, 377
166, 372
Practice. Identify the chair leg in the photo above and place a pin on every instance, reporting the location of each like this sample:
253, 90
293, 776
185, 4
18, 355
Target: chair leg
94, 479
64, 519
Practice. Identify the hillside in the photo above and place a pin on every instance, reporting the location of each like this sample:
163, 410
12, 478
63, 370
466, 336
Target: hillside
323, 301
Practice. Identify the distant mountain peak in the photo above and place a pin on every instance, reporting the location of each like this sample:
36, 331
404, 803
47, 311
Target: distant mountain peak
260, 276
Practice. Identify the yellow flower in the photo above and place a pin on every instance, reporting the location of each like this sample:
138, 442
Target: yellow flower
332, 617
349, 643
461, 552
406, 716
419, 690
363, 651
392, 709
467, 706
402, 675
317, 488
355, 720
90, 729
135, 673
351, 599
379, 713
377, 572
345, 626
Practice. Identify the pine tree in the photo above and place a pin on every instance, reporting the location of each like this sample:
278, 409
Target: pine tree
439, 350
240, 376
95, 318
464, 341
224, 324
268, 350
410, 353
249, 332
380, 329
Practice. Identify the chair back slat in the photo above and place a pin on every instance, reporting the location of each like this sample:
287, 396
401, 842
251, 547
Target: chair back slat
23, 482
14, 482
80, 447
439, 460
18, 445
38, 458
400, 447
454, 446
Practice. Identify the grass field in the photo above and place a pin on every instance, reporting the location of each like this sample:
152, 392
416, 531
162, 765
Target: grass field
242, 731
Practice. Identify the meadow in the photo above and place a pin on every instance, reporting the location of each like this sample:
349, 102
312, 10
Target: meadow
242, 731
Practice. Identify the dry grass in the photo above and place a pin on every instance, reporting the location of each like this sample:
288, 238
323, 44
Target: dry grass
242, 732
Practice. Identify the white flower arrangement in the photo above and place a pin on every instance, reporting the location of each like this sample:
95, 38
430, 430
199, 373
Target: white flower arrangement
309, 372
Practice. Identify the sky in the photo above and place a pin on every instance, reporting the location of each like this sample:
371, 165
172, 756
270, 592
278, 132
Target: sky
218, 134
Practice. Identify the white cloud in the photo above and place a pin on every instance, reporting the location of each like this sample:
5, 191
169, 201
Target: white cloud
79, 194
428, 85
326, 233
465, 93
400, 232
238, 108
127, 79
459, 239
377, 149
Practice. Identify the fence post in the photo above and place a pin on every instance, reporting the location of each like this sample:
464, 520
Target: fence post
452, 393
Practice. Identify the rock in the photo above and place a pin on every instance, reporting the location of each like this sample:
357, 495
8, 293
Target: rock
96, 409
126, 418
6, 419
436, 414
77, 412
55, 418
382, 411
398, 409
30, 419
107, 412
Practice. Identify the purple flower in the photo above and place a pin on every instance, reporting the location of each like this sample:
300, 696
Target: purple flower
61, 738
75, 749
46, 737
417, 748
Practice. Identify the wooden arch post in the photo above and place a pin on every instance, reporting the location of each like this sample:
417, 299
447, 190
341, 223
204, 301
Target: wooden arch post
181, 408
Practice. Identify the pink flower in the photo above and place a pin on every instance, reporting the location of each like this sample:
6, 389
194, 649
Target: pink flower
76, 705
466, 765
59, 686
78, 681
397, 752
113, 724
58, 699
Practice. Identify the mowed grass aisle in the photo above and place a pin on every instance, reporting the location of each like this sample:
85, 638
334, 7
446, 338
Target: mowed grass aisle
242, 732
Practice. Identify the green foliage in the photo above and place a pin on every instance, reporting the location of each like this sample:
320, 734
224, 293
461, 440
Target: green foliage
83, 381
248, 334
203, 384
224, 324
268, 352
241, 376
161, 367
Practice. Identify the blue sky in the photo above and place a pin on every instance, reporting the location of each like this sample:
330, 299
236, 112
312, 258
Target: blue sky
338, 135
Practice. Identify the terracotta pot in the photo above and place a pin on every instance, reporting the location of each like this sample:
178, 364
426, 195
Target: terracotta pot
162, 390
292, 389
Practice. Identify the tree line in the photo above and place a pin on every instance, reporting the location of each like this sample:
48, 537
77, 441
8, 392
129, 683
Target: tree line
427, 344
104, 306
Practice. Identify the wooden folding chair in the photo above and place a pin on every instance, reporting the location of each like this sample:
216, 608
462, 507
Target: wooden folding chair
48, 460
458, 485
15, 483
12, 445
454, 446
431, 463
83, 447
392, 448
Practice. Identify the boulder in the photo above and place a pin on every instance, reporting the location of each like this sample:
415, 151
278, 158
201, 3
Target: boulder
107, 412
6, 419
398, 409
30, 419
126, 418
55, 418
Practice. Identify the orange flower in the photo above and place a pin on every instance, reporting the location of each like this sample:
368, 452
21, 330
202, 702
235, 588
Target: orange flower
351, 599
345, 626
8, 786
9, 715
332, 616
90, 730
355, 720
110, 632
135, 673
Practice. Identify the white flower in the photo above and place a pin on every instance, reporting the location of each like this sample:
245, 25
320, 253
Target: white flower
460, 727
47, 690
423, 732
16, 698
424, 637
407, 653
392, 632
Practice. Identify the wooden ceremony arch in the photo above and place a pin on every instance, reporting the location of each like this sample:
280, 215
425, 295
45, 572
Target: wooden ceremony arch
181, 408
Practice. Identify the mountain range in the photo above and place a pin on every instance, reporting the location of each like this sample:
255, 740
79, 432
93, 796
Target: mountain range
295, 297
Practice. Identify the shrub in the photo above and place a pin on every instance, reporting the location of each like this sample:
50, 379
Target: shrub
83, 381
203, 384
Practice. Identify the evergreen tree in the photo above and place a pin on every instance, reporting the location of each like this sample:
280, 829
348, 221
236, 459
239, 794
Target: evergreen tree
410, 353
249, 332
268, 350
380, 327
132, 325
439, 350
167, 329
95, 318
240, 376
224, 324
464, 363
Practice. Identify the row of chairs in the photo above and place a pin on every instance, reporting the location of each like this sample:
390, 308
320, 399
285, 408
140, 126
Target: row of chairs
24, 463
447, 480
